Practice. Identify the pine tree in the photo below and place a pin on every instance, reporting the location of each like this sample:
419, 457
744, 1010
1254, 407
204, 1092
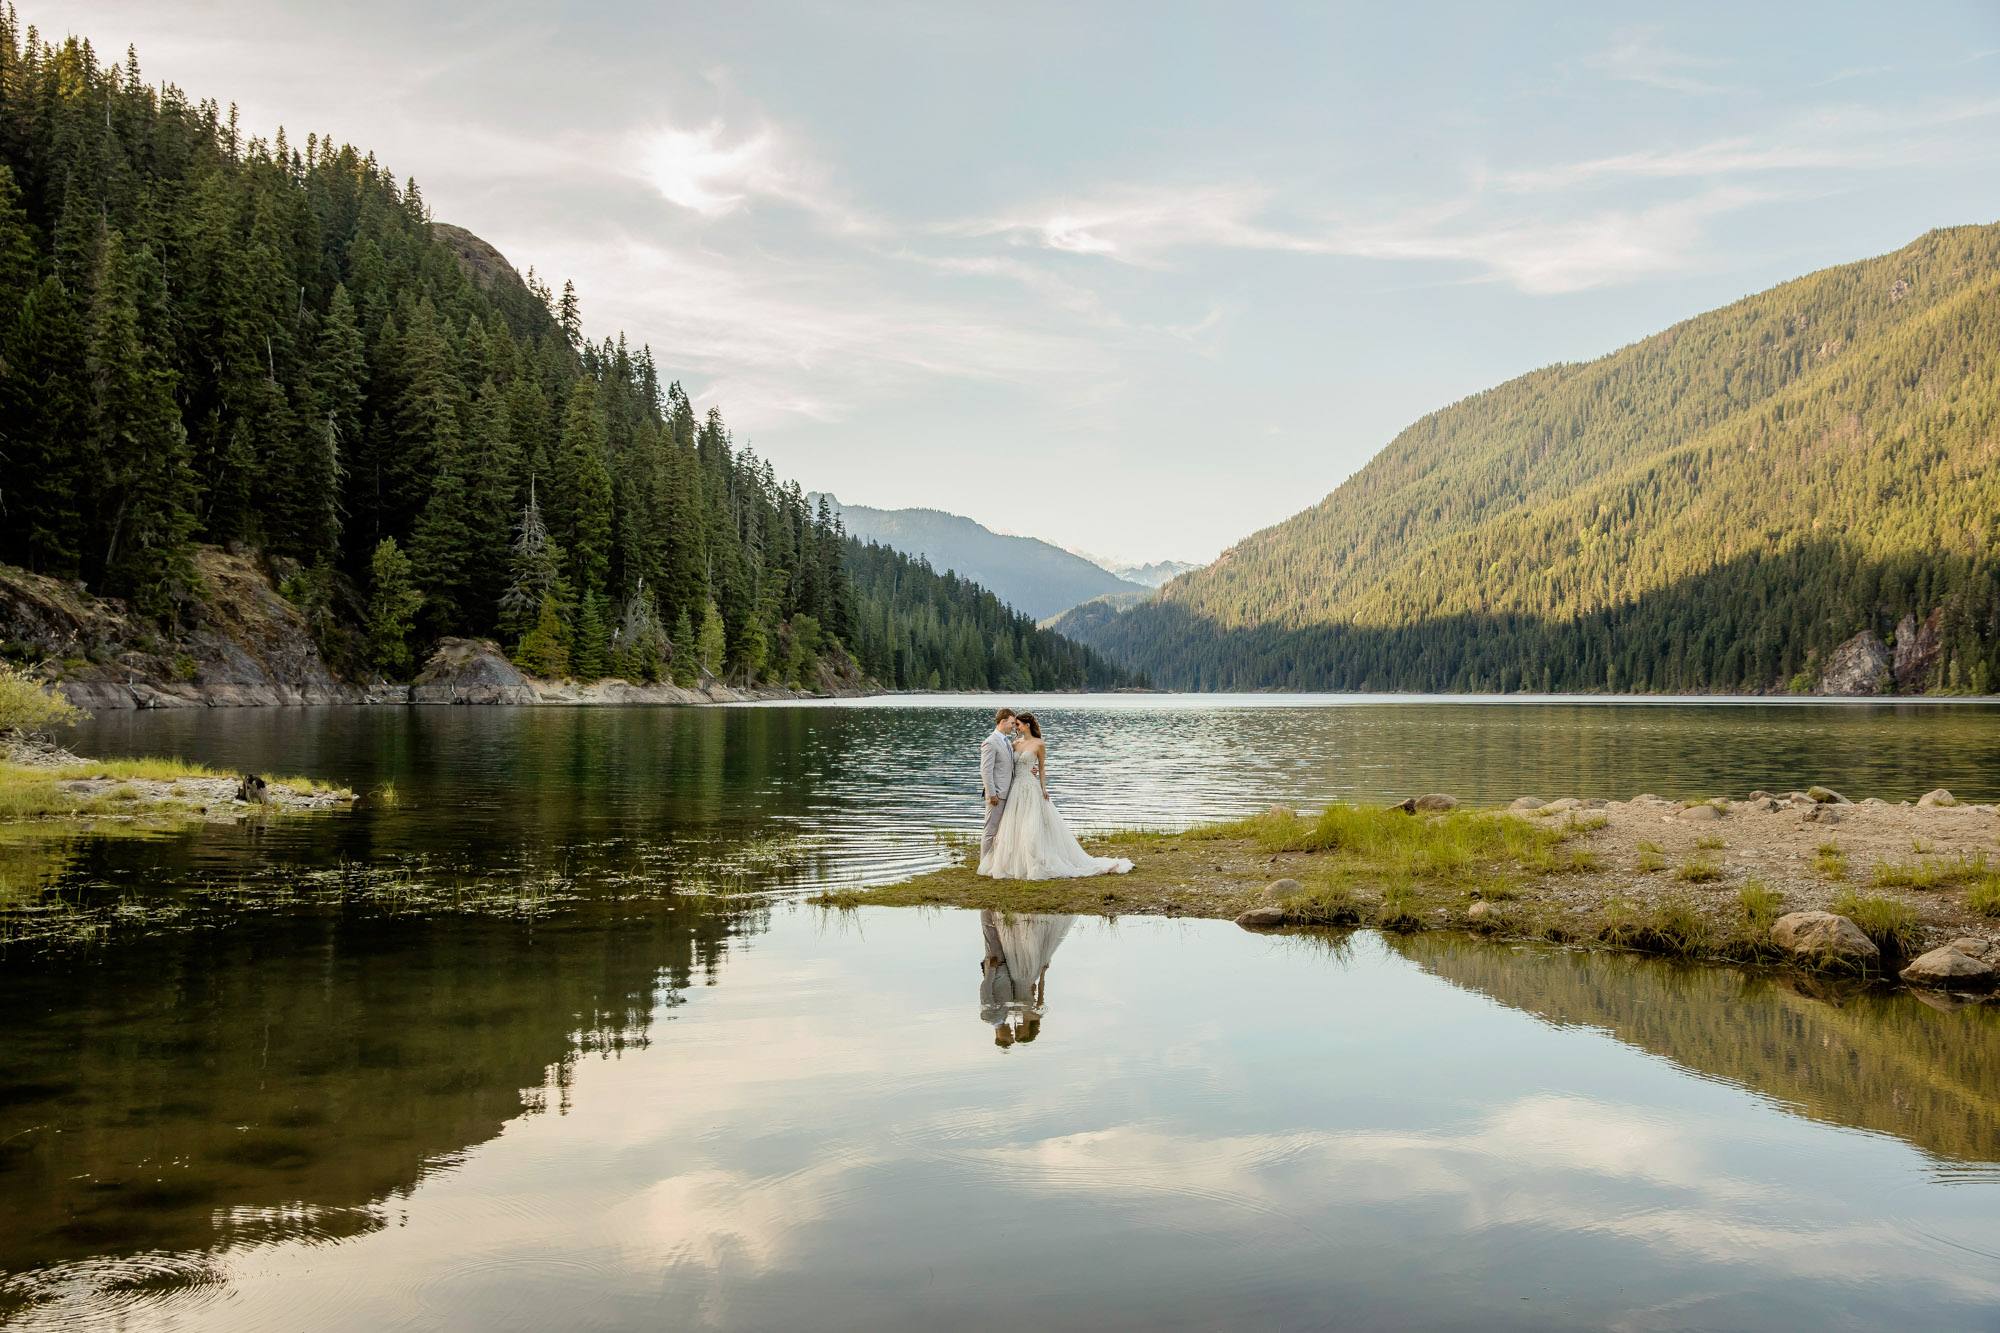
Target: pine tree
685, 659
144, 487
392, 608
44, 402
585, 488
711, 644
541, 651
592, 638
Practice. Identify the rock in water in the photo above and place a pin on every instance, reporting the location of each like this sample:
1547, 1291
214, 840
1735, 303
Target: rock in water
1527, 803
1857, 667
1262, 918
1436, 801
1938, 797
1950, 969
471, 671
1824, 936
1283, 888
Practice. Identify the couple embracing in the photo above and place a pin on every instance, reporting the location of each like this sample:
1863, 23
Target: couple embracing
1025, 837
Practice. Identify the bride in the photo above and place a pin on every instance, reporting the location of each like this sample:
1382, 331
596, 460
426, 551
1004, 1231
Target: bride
1033, 841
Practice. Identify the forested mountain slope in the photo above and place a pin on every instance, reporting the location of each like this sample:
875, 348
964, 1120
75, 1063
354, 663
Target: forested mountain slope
1034, 576
1717, 507
207, 337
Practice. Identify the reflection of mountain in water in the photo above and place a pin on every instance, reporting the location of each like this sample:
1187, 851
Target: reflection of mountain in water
284, 1078
1880, 1061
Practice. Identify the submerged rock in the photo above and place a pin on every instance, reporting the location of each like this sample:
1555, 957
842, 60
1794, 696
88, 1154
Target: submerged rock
1824, 936
1950, 969
471, 671
1262, 918
1937, 797
1858, 667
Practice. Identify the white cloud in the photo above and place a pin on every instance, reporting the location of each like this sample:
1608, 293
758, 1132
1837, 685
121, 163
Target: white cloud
1636, 56
693, 169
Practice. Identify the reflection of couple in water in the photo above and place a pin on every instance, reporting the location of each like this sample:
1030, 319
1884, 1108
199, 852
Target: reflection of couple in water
1013, 976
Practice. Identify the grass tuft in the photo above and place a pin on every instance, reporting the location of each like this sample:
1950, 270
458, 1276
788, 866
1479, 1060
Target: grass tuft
1830, 861
1892, 925
1698, 870
1984, 897
1930, 873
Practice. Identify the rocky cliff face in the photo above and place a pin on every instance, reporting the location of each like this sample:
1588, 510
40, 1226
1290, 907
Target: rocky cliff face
242, 644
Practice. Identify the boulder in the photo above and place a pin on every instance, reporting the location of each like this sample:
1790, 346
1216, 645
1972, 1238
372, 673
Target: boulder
1649, 798
1873, 800
1937, 797
1526, 804
1827, 796
1857, 667
1824, 936
1948, 969
1761, 795
1701, 814
1766, 804
1595, 803
1820, 814
1973, 948
1283, 888
1436, 801
1918, 648
471, 671
1262, 918
1483, 913
1566, 803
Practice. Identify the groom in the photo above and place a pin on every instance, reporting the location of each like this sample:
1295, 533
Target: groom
996, 775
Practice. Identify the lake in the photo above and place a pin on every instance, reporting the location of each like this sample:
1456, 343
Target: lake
552, 1041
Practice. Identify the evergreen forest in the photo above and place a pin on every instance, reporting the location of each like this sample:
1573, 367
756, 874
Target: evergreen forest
212, 337
1714, 509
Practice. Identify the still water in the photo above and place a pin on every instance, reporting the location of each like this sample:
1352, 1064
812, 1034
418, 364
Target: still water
661, 1091
856, 792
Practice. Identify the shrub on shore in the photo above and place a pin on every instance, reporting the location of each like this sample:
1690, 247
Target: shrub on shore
28, 705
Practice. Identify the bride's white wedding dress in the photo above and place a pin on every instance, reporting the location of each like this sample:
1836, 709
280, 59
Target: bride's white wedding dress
1034, 842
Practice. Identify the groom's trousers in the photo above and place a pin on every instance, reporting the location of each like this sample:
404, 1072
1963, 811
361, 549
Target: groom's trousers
993, 813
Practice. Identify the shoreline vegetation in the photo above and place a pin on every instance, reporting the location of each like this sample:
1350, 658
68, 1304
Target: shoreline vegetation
1711, 881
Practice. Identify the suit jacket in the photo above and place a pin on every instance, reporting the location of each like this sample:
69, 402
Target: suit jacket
996, 765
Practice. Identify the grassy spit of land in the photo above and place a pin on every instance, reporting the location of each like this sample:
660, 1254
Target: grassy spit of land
43, 785
1698, 880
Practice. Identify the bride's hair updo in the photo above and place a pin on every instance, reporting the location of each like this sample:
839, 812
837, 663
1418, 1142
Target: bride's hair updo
1028, 720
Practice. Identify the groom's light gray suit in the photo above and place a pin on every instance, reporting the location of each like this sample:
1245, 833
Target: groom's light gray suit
996, 778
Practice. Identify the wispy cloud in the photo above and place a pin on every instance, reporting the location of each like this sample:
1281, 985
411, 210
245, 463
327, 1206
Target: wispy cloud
1637, 56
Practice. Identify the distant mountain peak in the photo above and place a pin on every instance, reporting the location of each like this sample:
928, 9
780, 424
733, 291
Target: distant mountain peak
1032, 575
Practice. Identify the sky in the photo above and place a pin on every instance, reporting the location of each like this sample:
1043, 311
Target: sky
1138, 279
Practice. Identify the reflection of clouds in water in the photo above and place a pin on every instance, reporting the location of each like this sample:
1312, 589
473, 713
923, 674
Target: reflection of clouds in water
1550, 1162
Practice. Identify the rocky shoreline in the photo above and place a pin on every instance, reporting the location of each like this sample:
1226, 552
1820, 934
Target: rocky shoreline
1800, 879
246, 646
